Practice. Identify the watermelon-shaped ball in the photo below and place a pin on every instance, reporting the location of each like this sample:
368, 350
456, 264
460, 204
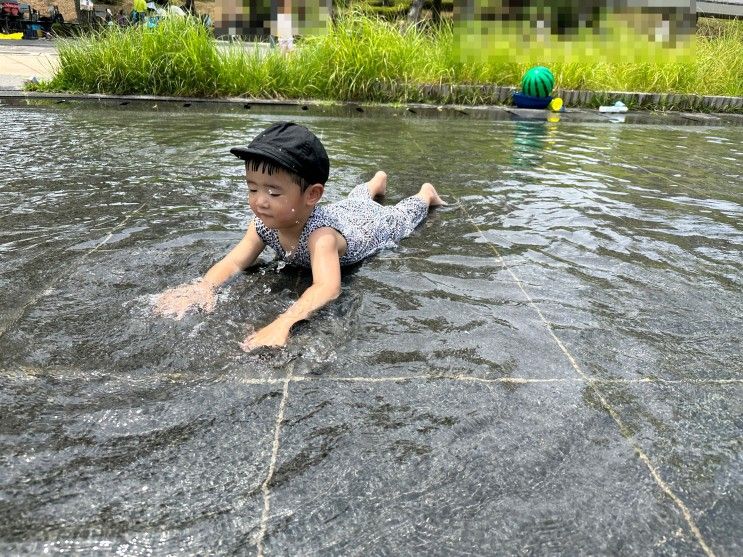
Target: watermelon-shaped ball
538, 82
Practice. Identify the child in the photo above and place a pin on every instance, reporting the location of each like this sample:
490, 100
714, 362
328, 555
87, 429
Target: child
286, 168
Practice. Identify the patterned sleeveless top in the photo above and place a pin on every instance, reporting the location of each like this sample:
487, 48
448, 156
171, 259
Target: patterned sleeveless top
367, 226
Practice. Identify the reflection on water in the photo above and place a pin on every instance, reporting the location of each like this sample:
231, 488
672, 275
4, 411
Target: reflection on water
430, 412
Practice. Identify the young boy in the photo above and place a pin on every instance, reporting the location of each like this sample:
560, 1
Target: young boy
286, 168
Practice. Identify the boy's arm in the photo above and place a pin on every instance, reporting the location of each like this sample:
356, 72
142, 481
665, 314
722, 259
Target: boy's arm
240, 257
177, 301
326, 286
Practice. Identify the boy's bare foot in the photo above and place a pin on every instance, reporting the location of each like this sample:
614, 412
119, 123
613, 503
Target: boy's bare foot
429, 195
377, 186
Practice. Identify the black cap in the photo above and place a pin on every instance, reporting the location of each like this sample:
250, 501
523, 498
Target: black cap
292, 147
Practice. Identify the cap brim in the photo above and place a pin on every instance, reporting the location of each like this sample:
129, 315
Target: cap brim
244, 152
280, 159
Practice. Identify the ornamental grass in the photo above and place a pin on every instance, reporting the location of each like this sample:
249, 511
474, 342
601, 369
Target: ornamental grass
364, 58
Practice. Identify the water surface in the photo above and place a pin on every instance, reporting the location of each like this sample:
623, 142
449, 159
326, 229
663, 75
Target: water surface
498, 384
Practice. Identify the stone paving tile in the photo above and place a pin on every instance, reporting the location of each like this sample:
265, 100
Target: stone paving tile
693, 435
447, 468
669, 330
94, 472
491, 333
109, 326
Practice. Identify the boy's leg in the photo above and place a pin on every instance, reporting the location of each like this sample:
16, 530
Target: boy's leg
412, 210
428, 194
371, 189
377, 186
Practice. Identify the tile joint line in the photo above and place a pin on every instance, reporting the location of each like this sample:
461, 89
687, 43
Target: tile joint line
474, 379
272, 466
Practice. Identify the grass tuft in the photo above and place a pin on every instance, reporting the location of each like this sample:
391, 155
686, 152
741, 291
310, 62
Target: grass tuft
178, 57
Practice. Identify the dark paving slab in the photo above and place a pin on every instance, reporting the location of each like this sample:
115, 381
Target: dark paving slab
693, 435
89, 471
491, 332
637, 266
98, 316
91, 246
637, 326
447, 468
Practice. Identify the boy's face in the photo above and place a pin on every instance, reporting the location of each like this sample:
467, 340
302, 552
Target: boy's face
277, 200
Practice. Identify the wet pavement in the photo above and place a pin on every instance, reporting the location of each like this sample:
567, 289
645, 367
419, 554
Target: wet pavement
550, 365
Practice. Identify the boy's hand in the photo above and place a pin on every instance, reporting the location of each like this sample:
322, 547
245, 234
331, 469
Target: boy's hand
177, 301
275, 334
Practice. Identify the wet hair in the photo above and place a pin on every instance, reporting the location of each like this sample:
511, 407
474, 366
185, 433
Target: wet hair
268, 166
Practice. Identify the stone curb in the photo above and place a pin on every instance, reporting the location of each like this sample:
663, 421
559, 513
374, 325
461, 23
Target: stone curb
495, 94
472, 95
481, 111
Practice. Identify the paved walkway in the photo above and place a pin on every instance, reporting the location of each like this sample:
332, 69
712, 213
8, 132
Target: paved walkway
730, 8
23, 60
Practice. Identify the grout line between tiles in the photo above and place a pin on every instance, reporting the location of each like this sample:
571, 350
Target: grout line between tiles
272, 466
471, 379
113, 231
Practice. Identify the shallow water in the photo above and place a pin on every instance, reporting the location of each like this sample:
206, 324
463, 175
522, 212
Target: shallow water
551, 364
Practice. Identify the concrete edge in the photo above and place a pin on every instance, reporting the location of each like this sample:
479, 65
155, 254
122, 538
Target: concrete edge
496, 94
478, 111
